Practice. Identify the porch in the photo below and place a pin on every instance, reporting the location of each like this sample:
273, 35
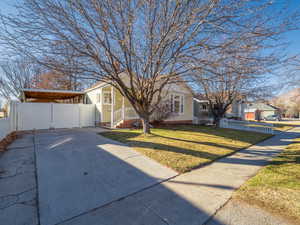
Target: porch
115, 110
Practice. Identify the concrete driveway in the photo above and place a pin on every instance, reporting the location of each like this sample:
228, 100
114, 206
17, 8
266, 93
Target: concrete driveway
79, 170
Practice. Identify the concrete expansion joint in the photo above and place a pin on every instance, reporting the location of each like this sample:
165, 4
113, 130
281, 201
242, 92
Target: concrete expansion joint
117, 200
36, 178
215, 213
133, 156
154, 212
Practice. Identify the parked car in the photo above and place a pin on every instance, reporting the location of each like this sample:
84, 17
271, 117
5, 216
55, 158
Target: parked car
272, 118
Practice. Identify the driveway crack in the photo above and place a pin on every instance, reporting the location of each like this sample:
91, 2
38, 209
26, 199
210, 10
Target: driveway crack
36, 178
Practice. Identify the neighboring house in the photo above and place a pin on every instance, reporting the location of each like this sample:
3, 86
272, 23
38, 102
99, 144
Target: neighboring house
203, 115
237, 110
113, 109
259, 110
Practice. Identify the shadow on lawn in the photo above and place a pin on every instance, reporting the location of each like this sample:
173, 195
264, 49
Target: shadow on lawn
126, 136
231, 134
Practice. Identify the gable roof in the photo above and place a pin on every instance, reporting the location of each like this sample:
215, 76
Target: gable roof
179, 81
261, 106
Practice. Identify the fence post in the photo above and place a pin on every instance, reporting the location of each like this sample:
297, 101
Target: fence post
79, 115
51, 116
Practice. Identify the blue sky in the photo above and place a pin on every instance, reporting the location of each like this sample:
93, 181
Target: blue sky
292, 37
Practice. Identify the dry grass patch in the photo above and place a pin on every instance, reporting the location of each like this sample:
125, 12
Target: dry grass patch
281, 125
183, 148
277, 186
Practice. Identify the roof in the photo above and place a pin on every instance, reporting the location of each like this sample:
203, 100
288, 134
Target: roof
200, 100
94, 86
180, 81
50, 94
261, 106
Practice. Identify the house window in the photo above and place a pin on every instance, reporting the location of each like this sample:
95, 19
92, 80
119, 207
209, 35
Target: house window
98, 97
177, 103
107, 98
204, 107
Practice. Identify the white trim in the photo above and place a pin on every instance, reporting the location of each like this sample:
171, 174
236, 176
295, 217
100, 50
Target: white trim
112, 106
200, 101
102, 85
181, 103
98, 97
123, 107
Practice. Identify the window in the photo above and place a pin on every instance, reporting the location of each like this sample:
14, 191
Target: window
107, 98
204, 107
177, 103
98, 97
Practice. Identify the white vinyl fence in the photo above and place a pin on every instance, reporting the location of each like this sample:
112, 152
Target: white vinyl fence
54, 115
30, 116
4, 127
7, 124
247, 125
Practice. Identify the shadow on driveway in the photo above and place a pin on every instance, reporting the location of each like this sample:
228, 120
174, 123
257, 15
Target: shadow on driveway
84, 178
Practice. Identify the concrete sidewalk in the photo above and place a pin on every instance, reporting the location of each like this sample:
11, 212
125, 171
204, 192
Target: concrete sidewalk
192, 198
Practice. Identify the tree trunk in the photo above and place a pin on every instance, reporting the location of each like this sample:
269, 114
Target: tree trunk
146, 125
217, 121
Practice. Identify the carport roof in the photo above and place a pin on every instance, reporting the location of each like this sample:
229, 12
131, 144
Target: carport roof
49, 94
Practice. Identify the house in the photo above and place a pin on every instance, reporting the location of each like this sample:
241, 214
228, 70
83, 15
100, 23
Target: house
203, 115
259, 110
113, 109
237, 110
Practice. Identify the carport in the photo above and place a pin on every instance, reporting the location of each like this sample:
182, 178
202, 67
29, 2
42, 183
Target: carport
47, 95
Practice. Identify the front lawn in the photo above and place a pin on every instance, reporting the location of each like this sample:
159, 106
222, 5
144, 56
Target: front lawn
183, 148
277, 186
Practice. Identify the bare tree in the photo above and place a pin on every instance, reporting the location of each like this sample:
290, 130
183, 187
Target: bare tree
242, 65
142, 39
162, 111
16, 75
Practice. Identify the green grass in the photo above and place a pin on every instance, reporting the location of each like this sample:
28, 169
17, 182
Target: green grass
184, 148
277, 186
